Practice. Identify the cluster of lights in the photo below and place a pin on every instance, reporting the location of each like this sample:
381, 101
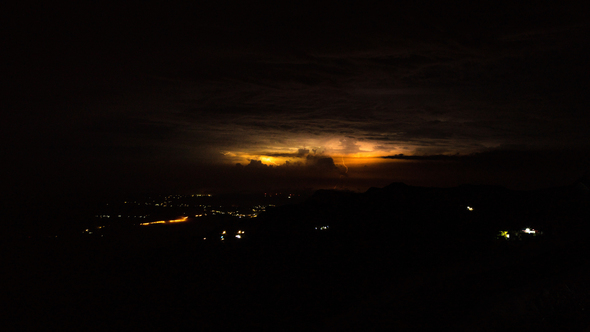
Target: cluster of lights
504, 234
234, 213
530, 231
238, 235
322, 228
119, 216
469, 208
89, 232
167, 200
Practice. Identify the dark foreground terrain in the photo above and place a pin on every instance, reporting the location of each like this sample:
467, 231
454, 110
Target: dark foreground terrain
400, 257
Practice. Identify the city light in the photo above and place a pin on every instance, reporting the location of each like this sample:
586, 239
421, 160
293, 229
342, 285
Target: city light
183, 219
152, 223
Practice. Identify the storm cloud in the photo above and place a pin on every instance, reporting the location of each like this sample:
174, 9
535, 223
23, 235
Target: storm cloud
172, 89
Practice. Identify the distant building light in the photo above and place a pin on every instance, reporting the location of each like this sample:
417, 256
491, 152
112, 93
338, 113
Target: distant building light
238, 236
469, 208
529, 231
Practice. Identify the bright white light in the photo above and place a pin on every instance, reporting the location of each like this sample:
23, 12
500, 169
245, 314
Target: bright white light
239, 236
469, 208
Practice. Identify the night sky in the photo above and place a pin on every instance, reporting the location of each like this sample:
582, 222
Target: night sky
246, 95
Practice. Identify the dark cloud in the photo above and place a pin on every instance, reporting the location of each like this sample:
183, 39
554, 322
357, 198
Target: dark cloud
509, 156
254, 164
301, 153
320, 163
310, 163
193, 85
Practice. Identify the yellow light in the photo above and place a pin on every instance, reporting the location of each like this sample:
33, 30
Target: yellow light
153, 222
183, 219
223, 232
268, 160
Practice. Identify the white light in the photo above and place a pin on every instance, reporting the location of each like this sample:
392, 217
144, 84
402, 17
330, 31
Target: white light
239, 236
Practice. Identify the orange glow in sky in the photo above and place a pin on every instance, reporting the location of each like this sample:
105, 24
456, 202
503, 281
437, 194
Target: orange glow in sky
343, 153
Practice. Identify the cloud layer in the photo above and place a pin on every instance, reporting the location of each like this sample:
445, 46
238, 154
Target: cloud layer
298, 88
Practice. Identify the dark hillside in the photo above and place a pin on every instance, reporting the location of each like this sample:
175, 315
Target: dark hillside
398, 257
